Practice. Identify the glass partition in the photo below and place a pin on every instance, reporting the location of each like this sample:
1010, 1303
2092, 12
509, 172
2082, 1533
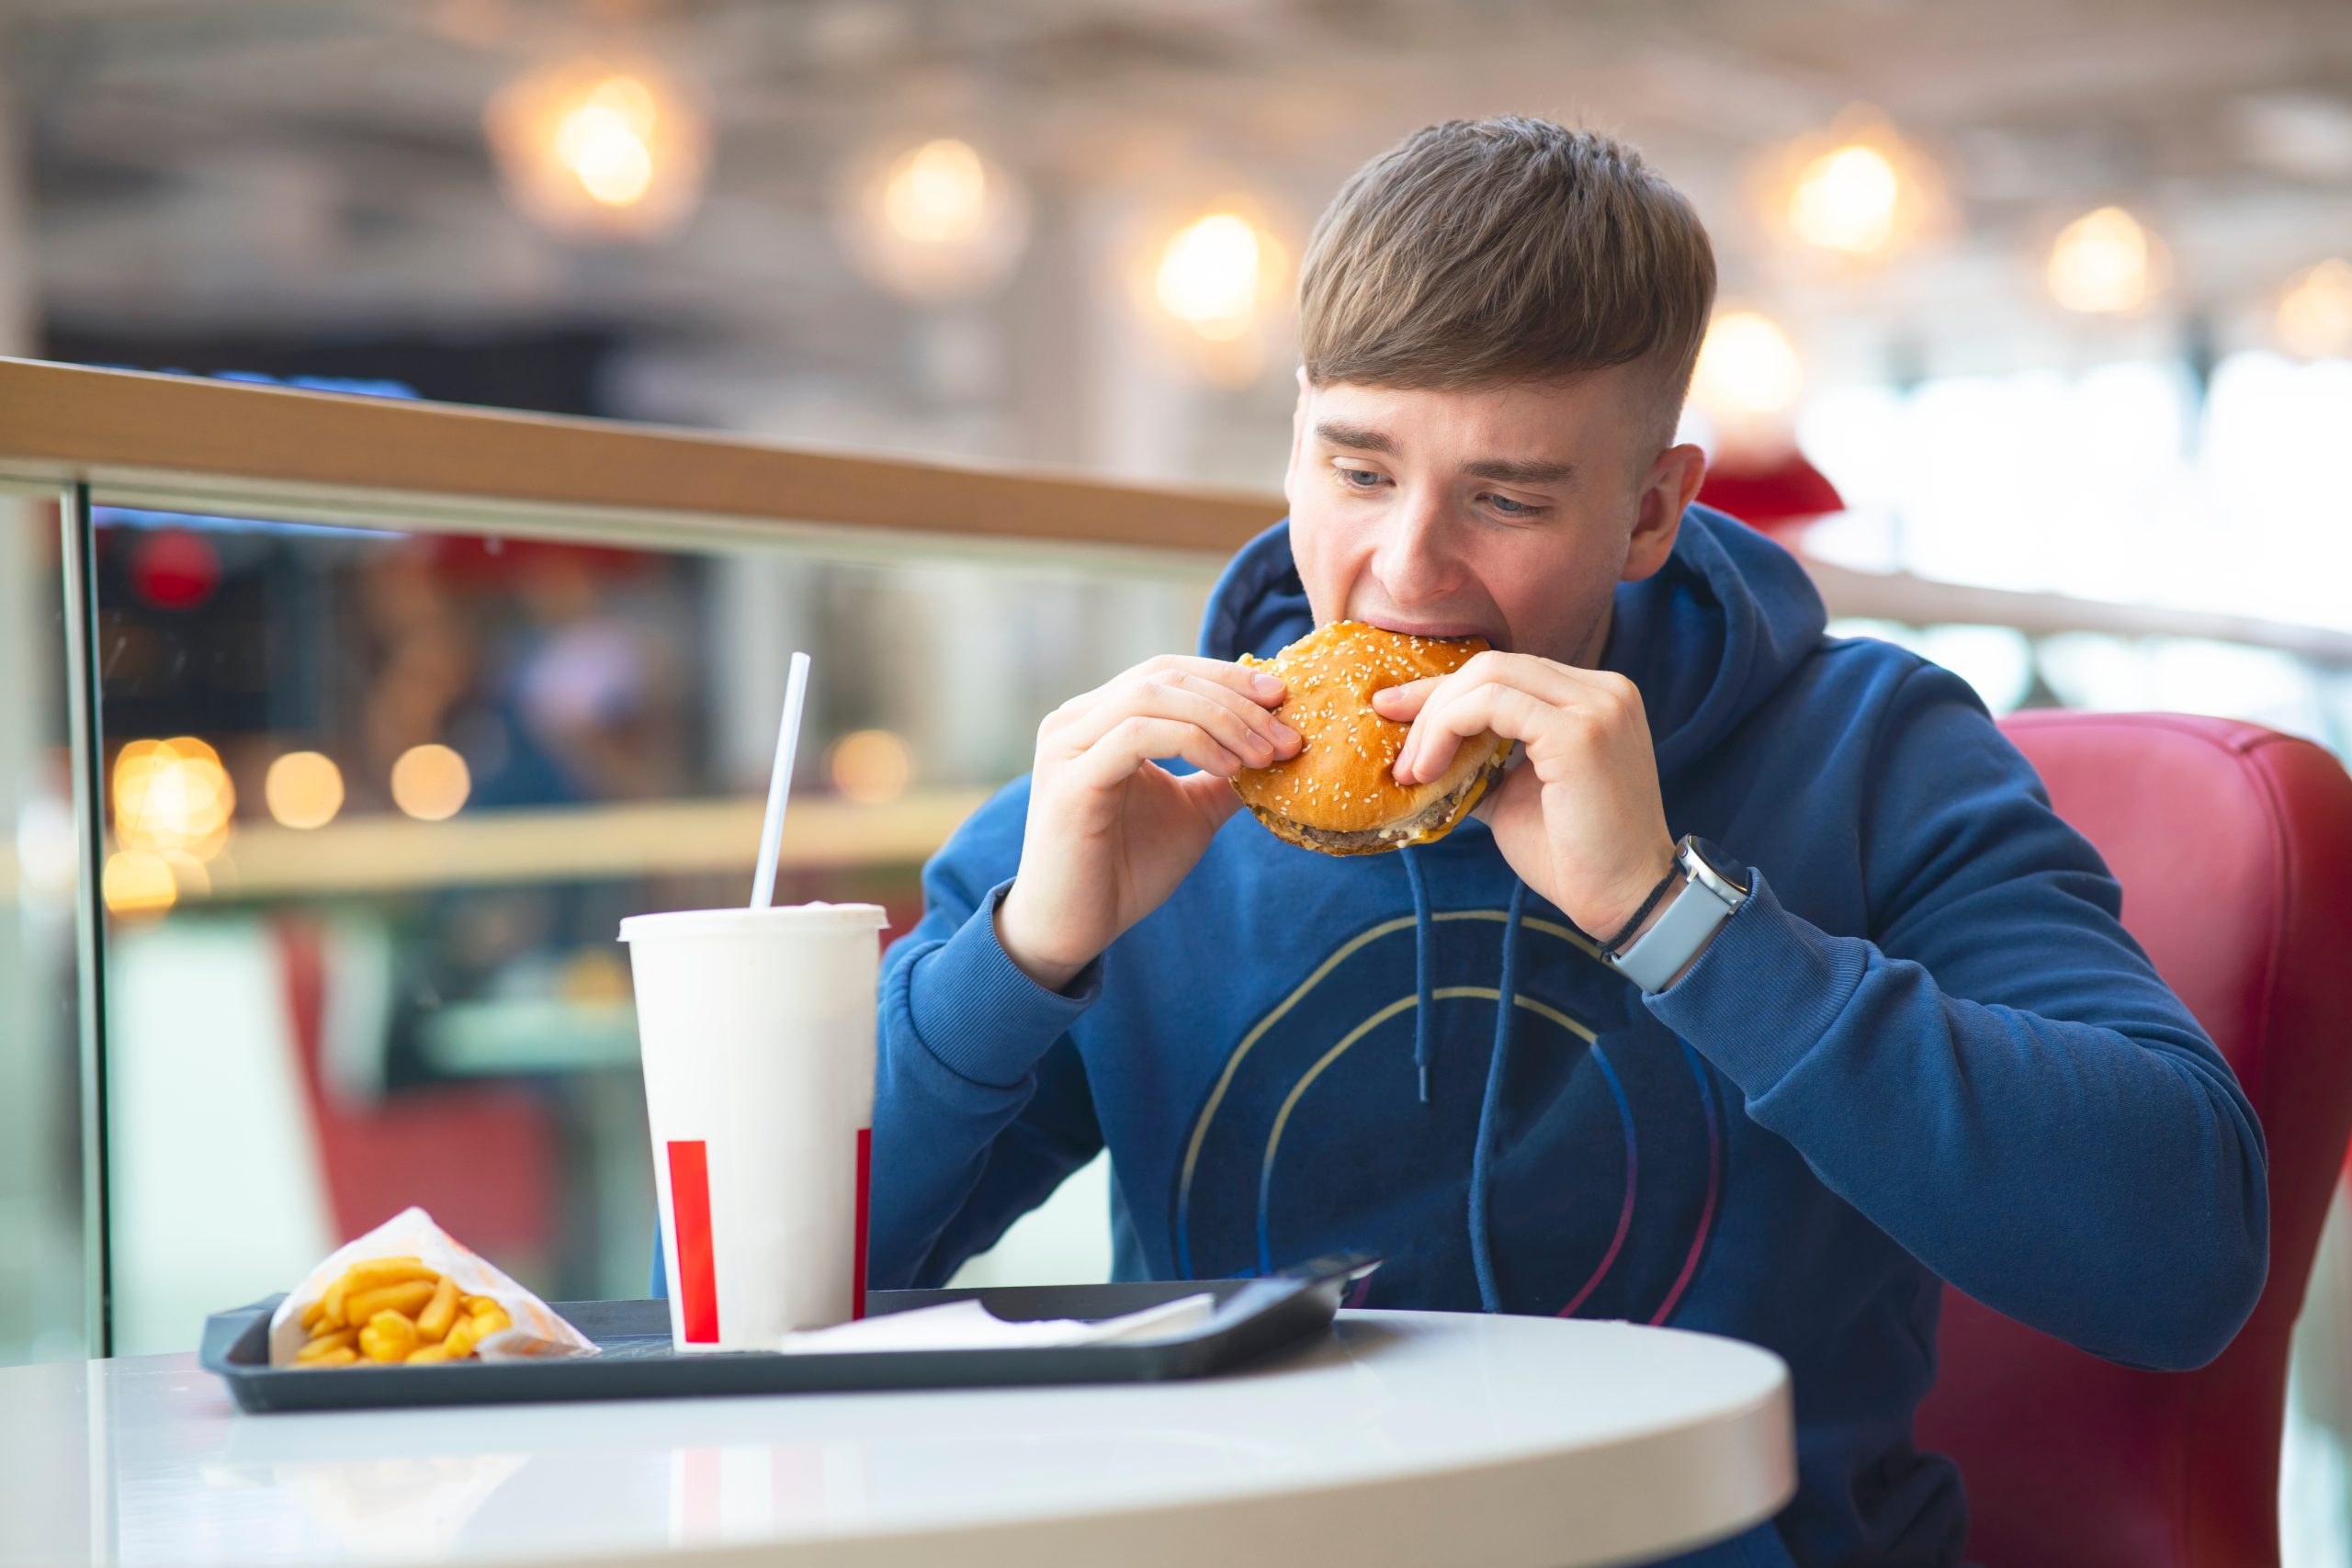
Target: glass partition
375, 801
47, 1308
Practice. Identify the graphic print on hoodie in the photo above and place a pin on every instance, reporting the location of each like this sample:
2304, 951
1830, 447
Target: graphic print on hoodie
1924, 1050
1268, 1177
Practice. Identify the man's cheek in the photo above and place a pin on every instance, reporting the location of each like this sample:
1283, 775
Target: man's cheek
1325, 596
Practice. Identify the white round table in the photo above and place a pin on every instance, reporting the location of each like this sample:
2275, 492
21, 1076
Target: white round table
1404, 1439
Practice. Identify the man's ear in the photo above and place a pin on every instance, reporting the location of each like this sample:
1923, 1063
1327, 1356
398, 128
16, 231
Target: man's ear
1297, 436
1671, 484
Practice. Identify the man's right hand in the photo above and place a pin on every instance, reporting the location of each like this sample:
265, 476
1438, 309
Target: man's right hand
1110, 832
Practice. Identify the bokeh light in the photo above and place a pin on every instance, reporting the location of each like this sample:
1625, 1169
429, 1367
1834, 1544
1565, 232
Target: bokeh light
1856, 192
1748, 367
871, 766
598, 151
937, 193
1846, 200
138, 881
304, 789
172, 796
604, 140
430, 783
1214, 274
2315, 312
2105, 262
932, 221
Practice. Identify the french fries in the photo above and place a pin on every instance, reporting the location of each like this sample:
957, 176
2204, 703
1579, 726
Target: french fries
396, 1311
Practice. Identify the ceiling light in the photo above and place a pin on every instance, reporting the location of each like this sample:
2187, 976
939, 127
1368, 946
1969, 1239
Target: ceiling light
1747, 367
2314, 315
596, 150
1858, 189
1844, 200
933, 221
2105, 262
1214, 274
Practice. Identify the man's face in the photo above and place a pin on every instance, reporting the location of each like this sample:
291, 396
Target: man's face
1511, 513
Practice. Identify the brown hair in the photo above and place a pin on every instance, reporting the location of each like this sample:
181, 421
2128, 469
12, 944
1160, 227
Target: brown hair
1479, 253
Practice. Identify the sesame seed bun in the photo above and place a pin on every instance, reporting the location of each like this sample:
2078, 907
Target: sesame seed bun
1338, 796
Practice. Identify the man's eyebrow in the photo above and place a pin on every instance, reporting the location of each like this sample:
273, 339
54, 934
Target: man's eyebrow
1362, 438
1504, 471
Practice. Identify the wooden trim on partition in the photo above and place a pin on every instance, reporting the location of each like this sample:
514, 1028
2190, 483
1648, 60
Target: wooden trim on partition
71, 423
176, 441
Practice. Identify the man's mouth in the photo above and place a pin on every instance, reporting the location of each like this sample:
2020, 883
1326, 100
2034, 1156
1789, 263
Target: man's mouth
1433, 628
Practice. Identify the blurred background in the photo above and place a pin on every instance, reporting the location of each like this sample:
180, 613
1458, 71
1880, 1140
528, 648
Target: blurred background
2053, 298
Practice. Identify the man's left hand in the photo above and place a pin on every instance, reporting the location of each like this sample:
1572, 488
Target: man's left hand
1581, 820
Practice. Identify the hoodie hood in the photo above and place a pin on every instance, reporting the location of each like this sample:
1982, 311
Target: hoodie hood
1705, 640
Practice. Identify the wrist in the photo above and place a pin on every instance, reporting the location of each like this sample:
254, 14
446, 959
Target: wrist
1054, 972
1703, 892
1639, 906
1675, 889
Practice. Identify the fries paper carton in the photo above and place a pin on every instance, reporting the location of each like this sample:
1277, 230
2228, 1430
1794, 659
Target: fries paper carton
537, 1331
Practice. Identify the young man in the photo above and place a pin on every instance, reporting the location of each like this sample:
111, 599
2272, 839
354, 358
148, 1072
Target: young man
1890, 1034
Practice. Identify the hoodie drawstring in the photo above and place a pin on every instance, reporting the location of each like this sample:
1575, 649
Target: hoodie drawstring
1424, 971
1482, 1256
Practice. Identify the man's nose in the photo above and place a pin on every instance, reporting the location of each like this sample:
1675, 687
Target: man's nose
1413, 563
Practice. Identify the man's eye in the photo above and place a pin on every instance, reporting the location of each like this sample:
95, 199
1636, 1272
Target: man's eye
1506, 506
1360, 479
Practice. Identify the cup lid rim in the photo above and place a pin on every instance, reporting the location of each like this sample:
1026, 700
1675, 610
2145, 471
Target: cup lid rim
678, 923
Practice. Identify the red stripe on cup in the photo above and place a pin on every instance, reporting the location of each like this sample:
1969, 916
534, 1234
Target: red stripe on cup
865, 1185
698, 1265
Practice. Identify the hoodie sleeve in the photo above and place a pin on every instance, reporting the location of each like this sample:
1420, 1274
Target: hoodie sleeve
2000, 1080
980, 1101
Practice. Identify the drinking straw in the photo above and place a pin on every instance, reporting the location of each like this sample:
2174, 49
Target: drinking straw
787, 738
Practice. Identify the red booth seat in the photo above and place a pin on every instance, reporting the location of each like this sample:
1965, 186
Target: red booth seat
2234, 846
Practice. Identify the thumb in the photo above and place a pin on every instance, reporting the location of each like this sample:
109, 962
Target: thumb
1211, 798
1513, 805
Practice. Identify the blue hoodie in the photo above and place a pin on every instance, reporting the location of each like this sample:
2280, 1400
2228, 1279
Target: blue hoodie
1925, 1050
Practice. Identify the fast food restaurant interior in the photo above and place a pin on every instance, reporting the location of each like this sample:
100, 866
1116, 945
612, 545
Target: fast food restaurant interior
2034, 342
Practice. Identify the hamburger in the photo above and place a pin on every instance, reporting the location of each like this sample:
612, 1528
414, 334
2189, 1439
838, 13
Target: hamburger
1339, 795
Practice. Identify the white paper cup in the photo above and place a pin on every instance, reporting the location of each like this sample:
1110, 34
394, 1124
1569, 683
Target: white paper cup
756, 1030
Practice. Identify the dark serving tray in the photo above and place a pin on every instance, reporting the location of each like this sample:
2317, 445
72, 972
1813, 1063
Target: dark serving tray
1254, 1319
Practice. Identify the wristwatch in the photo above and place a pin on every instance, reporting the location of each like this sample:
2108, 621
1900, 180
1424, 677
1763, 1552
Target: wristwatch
1708, 895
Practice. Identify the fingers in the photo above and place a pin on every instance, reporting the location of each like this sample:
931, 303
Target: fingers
1259, 685
1139, 739
1516, 695
1248, 703
1452, 718
1403, 702
1253, 737
1227, 702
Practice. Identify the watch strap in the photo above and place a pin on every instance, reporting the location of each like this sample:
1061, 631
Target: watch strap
1684, 929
